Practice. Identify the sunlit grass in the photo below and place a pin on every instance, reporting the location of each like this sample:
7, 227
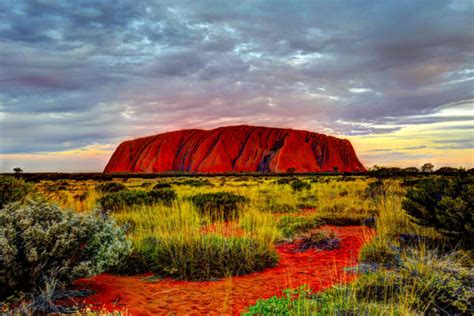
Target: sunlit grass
180, 242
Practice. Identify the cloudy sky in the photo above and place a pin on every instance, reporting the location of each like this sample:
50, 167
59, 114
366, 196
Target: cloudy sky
79, 77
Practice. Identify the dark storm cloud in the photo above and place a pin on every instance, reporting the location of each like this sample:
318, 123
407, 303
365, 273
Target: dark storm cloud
74, 73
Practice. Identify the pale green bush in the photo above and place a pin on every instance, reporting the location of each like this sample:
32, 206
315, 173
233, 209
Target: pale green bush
39, 241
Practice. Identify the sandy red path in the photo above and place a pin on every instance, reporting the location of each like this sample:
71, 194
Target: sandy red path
229, 296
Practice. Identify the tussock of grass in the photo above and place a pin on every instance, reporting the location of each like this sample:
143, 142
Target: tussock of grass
169, 242
118, 200
219, 205
290, 226
207, 256
260, 225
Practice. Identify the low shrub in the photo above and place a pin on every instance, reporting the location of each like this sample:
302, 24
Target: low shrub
380, 253
292, 225
321, 240
426, 286
118, 200
12, 190
40, 242
206, 257
293, 302
284, 180
159, 186
307, 202
409, 182
110, 187
219, 205
303, 302
446, 205
299, 185
197, 183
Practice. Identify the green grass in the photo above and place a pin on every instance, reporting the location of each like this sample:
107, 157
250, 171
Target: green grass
206, 257
395, 277
169, 241
393, 280
290, 226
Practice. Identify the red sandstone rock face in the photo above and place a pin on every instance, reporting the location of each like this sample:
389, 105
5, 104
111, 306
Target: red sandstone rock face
235, 149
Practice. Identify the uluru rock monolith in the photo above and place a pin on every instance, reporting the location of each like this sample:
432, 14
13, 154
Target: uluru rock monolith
235, 149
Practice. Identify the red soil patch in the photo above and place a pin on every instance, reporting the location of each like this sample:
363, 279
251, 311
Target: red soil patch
229, 296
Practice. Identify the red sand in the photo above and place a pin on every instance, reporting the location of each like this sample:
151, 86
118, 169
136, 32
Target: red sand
229, 296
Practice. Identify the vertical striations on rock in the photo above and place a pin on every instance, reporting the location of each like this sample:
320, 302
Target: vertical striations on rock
235, 149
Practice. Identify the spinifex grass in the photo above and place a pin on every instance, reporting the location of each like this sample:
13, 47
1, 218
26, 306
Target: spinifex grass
170, 242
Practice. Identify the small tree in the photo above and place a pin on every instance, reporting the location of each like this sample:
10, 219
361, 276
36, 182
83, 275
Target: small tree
427, 167
17, 170
336, 169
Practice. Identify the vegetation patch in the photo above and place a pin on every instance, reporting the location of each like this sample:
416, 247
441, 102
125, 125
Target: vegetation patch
118, 200
446, 205
303, 301
110, 187
347, 219
299, 185
434, 285
197, 183
409, 268
281, 208
12, 190
320, 240
292, 225
40, 243
428, 285
380, 252
206, 257
160, 186
219, 205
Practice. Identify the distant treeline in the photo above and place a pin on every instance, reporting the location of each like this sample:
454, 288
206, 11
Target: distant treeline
374, 172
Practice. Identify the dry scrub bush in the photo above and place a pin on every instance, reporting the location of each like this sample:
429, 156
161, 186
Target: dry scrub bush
40, 242
12, 190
